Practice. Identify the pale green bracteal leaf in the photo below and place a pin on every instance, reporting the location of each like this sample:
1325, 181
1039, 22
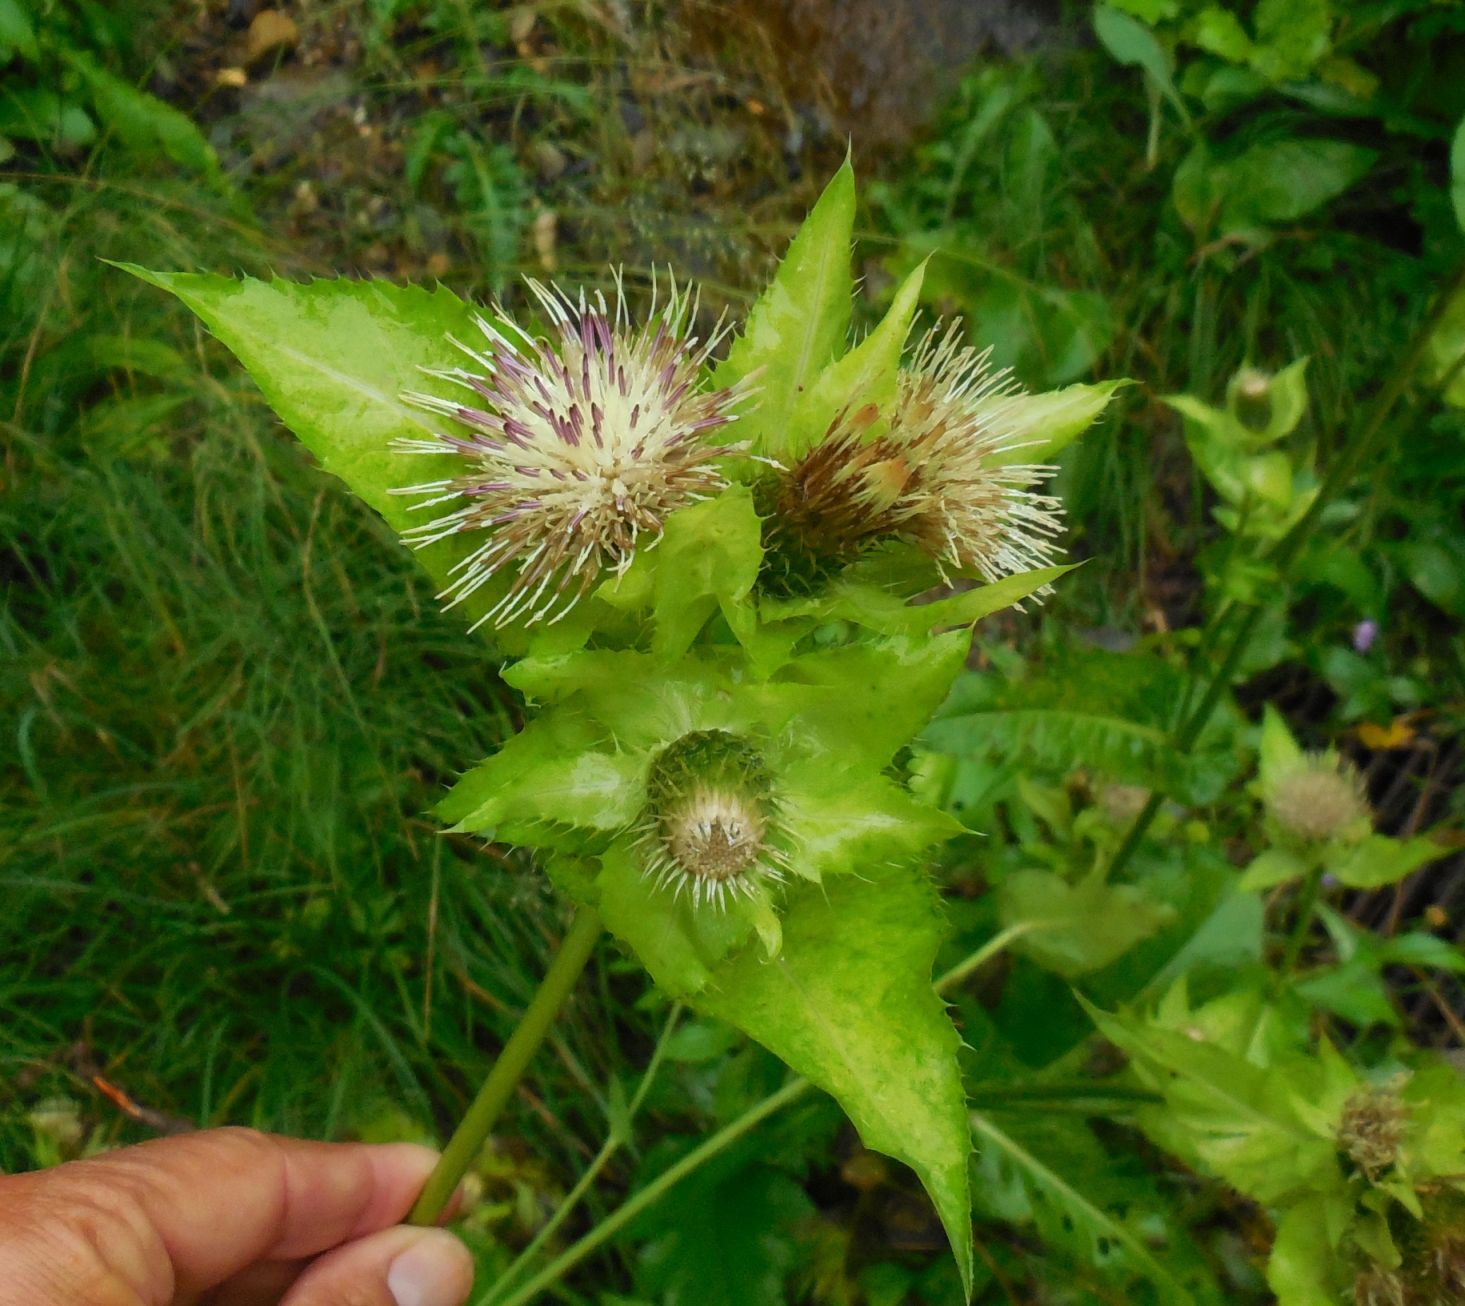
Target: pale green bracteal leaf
333, 358
1046, 424
707, 559
862, 702
800, 322
865, 375
848, 1003
877, 608
844, 822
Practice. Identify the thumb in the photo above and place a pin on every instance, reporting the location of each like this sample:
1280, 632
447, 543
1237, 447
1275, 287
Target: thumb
397, 1267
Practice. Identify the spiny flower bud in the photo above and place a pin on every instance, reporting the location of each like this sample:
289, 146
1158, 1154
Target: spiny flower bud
1251, 399
1375, 1121
931, 477
1321, 797
572, 450
710, 825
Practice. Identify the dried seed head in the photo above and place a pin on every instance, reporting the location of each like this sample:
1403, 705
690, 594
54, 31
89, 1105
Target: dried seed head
1375, 1121
572, 450
1322, 797
930, 477
710, 825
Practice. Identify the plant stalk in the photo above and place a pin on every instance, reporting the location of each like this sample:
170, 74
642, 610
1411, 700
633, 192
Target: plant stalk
1347, 464
1306, 901
653, 1193
468, 1138
608, 1149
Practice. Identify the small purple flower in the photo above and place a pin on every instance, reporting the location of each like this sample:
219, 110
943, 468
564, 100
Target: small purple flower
1364, 634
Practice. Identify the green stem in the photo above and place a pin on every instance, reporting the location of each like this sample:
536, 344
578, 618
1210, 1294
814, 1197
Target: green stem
1306, 902
997, 943
609, 1148
994, 1096
1346, 465
468, 1139
653, 1192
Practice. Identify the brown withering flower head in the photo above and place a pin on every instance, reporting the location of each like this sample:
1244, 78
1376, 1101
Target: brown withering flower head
932, 476
1374, 1125
573, 449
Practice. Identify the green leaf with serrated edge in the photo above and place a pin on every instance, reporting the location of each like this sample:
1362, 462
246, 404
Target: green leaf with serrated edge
642, 703
845, 821
1220, 1111
848, 1003
865, 375
800, 321
333, 359
861, 702
538, 784
707, 559
1043, 425
678, 941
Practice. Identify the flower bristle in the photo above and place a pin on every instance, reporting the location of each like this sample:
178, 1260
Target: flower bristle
576, 448
928, 475
710, 828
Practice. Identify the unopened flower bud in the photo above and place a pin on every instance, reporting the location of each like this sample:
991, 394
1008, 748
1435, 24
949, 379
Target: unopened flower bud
710, 826
1251, 399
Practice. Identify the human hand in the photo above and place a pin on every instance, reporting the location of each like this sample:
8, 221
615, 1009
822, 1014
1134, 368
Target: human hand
228, 1217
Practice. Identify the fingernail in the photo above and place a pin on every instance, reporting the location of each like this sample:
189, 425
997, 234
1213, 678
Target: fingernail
430, 1272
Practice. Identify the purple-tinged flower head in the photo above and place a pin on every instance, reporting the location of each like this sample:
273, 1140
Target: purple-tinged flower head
935, 476
1364, 634
574, 449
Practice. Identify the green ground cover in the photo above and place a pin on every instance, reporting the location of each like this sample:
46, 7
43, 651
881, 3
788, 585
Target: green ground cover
227, 697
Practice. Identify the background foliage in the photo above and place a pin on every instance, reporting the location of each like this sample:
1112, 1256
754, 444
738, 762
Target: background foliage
228, 699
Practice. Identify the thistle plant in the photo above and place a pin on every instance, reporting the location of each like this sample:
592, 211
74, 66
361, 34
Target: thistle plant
701, 573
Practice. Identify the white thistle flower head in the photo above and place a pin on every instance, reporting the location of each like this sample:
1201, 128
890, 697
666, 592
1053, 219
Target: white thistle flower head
573, 449
955, 416
710, 828
1319, 798
931, 477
